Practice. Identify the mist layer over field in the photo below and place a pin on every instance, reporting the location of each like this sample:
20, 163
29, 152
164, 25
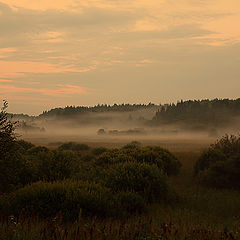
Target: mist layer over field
174, 125
113, 130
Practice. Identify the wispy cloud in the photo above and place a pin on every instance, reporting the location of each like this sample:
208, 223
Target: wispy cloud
58, 92
18, 68
5, 80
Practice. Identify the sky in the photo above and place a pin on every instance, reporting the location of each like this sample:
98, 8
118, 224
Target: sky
72, 52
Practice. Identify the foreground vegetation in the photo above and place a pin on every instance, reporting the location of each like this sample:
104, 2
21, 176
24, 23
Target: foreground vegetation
109, 183
202, 213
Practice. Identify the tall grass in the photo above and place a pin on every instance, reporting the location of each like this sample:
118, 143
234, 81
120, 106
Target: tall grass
141, 228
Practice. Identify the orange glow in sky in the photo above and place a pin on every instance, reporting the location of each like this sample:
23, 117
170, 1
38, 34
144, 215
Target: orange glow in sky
135, 51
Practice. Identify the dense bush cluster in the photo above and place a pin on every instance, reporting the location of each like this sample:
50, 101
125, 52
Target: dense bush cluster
219, 165
164, 160
99, 181
71, 198
144, 179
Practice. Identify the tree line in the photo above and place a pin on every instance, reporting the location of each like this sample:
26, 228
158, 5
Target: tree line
217, 112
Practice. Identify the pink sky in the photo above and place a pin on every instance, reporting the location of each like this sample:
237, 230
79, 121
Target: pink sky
71, 52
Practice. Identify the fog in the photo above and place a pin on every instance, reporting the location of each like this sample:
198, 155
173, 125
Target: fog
113, 129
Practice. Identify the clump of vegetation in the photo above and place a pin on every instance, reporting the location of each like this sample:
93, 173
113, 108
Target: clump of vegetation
99, 150
73, 146
71, 198
52, 165
133, 144
164, 160
144, 179
219, 165
24, 145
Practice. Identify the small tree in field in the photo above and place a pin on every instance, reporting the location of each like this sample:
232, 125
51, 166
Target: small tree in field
7, 128
10, 161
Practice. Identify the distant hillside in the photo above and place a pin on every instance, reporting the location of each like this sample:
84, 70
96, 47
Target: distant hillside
191, 114
199, 113
72, 110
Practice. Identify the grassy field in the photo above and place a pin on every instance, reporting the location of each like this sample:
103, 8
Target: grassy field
201, 213
181, 143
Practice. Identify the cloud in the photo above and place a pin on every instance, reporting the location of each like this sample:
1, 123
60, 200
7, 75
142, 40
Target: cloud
177, 32
63, 91
5, 80
17, 68
5, 52
42, 4
25, 21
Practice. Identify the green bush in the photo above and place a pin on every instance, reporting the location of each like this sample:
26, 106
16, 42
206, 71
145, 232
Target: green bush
71, 198
141, 178
207, 159
98, 150
52, 165
38, 150
73, 146
159, 156
24, 145
222, 175
133, 144
87, 157
219, 165
111, 157
15, 170
128, 203
19, 167
165, 160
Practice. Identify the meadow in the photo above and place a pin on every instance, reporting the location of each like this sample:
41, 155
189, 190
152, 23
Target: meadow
199, 213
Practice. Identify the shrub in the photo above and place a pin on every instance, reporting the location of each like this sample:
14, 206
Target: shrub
223, 174
133, 144
128, 203
73, 146
219, 165
98, 150
19, 167
107, 158
71, 198
24, 145
52, 165
164, 160
37, 150
87, 157
207, 159
159, 156
14, 171
144, 179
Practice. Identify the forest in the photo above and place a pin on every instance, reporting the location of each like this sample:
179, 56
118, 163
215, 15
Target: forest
218, 113
74, 190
